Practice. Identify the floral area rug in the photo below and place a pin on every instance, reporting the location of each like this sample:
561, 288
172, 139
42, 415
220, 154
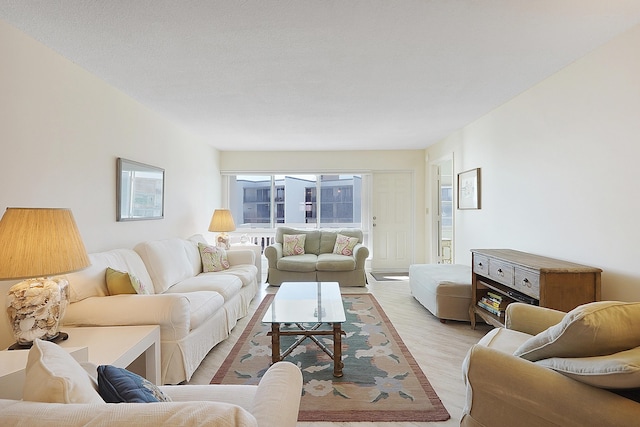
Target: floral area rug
381, 381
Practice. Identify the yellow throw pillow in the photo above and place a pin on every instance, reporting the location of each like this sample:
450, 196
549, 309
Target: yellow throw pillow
121, 282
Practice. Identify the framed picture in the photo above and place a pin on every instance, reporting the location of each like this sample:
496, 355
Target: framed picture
469, 189
139, 191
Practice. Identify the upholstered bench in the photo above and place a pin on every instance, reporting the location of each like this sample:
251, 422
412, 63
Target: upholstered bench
444, 289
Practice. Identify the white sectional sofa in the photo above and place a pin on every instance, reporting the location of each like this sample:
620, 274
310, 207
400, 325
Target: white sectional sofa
195, 310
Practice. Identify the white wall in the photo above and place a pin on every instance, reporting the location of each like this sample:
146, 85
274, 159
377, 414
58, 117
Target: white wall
61, 130
560, 168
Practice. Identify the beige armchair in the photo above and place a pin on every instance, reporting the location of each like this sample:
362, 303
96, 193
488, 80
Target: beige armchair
503, 389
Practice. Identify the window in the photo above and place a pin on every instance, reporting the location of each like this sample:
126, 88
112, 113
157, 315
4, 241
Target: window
265, 201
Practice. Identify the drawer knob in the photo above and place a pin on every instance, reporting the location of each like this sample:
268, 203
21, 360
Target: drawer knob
500, 272
526, 282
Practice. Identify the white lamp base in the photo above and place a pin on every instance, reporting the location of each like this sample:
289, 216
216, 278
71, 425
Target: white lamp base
223, 241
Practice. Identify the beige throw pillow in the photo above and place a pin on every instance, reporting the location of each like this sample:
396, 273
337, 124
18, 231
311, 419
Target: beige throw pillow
344, 245
52, 375
214, 258
613, 371
594, 329
293, 244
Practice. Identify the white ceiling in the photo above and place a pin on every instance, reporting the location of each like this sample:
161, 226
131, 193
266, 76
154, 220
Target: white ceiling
322, 74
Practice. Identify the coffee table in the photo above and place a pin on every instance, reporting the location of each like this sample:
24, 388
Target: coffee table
308, 306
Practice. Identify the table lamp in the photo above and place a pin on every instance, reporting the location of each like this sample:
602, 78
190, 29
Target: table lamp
222, 221
35, 244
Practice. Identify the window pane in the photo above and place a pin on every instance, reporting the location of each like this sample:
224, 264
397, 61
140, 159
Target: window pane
250, 201
340, 201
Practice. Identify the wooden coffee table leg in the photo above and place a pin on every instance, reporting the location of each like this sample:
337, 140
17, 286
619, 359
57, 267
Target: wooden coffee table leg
337, 350
275, 342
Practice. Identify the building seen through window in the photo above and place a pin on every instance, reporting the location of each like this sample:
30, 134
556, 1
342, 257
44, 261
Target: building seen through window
265, 201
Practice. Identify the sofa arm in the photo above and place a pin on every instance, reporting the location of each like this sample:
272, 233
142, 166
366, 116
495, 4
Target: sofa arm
22, 413
504, 390
360, 253
531, 319
277, 399
170, 311
274, 402
241, 257
273, 253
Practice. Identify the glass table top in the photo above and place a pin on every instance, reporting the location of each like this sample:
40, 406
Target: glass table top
306, 302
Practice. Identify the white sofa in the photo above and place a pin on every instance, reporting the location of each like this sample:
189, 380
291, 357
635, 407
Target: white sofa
59, 392
195, 310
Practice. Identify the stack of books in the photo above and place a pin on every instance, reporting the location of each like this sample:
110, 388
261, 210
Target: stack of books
494, 303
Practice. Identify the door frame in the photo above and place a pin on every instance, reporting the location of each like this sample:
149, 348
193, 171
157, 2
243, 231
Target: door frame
434, 207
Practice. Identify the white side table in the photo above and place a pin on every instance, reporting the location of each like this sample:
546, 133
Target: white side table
256, 249
119, 346
101, 345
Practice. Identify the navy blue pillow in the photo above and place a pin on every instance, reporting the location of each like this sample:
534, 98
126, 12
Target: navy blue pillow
117, 385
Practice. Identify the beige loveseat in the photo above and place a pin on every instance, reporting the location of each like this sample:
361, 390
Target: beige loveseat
58, 391
195, 310
549, 368
318, 262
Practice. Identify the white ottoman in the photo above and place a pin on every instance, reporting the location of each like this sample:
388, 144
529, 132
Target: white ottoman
444, 289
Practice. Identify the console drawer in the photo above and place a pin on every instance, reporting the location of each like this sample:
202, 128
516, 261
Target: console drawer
527, 282
480, 264
501, 272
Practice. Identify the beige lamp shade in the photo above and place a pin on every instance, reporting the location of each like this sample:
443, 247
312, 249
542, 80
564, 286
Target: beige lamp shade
38, 242
222, 220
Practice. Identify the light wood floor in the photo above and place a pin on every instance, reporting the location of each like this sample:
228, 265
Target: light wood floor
439, 348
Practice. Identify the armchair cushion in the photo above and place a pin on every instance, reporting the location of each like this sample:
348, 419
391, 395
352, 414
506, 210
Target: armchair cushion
594, 329
615, 371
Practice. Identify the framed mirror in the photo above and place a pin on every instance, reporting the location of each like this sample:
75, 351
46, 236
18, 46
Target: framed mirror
139, 191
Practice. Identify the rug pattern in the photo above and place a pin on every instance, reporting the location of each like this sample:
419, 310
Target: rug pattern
381, 382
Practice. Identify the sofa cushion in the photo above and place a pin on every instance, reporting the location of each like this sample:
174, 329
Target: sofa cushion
223, 283
121, 282
300, 263
245, 272
311, 242
334, 262
594, 329
117, 385
52, 375
91, 282
167, 261
213, 258
344, 245
293, 244
613, 371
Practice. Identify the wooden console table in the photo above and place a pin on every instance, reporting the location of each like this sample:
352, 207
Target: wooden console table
522, 277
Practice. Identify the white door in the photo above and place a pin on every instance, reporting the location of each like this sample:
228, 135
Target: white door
392, 221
